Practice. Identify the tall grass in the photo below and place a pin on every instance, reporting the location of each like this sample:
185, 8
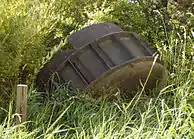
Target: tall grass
163, 117
169, 115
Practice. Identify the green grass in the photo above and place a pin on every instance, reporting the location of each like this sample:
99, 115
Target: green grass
167, 113
167, 116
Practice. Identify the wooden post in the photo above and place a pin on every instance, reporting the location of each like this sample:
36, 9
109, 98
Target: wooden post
21, 103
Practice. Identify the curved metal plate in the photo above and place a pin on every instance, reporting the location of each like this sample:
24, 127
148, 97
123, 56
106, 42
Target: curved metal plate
129, 75
90, 62
91, 33
105, 57
44, 75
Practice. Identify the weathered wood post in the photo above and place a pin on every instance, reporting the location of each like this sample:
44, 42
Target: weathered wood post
21, 103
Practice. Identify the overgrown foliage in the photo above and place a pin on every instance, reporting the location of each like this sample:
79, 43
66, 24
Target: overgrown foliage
32, 31
21, 42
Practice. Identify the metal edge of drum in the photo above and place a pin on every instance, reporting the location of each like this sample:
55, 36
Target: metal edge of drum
90, 88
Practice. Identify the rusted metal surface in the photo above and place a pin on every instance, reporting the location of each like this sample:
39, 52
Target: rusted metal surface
89, 62
45, 74
91, 33
108, 57
129, 76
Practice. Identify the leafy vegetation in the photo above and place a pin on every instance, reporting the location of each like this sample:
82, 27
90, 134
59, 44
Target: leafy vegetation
32, 31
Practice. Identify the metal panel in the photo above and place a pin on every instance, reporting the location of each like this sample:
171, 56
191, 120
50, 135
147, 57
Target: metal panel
91, 33
45, 73
92, 62
116, 53
69, 73
104, 56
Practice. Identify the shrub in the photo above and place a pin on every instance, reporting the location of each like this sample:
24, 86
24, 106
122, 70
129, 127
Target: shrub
21, 43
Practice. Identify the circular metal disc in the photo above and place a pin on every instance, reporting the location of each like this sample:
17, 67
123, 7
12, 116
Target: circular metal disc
129, 76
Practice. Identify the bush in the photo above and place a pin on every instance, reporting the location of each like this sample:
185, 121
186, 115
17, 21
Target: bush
21, 43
